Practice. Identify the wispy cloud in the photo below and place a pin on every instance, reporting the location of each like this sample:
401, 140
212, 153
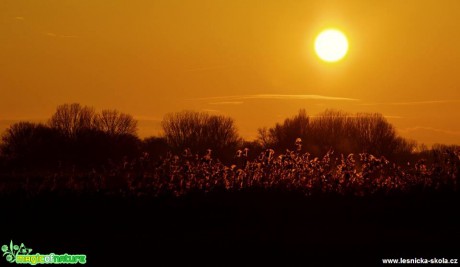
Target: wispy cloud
16, 119
211, 110
413, 103
275, 96
205, 68
51, 34
68, 36
147, 118
346, 115
393, 117
227, 103
431, 129
19, 18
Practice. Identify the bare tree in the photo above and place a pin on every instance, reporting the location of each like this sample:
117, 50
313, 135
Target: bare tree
199, 131
375, 135
29, 142
70, 119
114, 123
283, 135
184, 128
340, 131
263, 137
331, 129
17, 138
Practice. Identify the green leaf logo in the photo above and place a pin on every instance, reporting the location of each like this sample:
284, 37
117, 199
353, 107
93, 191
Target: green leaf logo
13, 251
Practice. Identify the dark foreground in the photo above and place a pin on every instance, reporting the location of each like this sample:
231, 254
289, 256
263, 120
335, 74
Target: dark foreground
237, 228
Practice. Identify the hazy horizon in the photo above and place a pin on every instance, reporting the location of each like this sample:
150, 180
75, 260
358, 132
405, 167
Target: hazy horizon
148, 127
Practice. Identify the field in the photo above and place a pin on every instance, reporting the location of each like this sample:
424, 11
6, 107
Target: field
293, 208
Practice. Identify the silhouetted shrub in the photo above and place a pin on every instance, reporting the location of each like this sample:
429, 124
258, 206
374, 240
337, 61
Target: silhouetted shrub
339, 131
155, 147
70, 119
115, 123
75, 137
281, 136
27, 144
201, 131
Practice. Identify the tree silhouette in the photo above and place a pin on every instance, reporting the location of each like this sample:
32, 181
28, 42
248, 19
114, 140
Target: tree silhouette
156, 147
17, 140
200, 131
77, 135
282, 136
344, 133
70, 119
115, 123
375, 135
30, 144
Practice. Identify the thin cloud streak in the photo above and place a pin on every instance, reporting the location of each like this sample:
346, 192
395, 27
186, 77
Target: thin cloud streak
393, 117
206, 68
17, 119
276, 96
147, 118
211, 110
359, 115
51, 34
227, 103
412, 103
212, 67
424, 128
69, 36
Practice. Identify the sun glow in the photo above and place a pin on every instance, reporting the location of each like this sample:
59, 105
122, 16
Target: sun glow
331, 45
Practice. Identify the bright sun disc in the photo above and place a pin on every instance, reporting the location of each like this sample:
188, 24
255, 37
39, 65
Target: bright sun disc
331, 45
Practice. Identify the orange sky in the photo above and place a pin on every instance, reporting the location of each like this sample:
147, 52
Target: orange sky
251, 60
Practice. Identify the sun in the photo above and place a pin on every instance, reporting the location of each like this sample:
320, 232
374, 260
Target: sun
331, 45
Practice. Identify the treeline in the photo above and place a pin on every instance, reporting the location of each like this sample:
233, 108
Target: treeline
342, 132
77, 137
